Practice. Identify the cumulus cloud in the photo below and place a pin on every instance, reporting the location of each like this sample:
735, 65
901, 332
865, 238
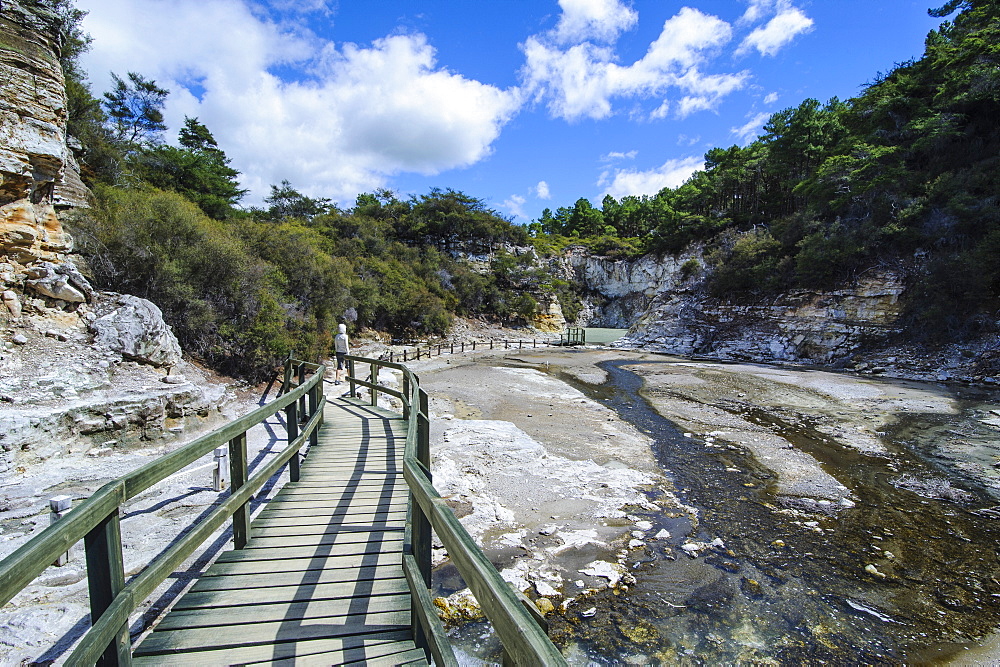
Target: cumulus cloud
582, 79
542, 190
787, 23
338, 121
751, 129
670, 174
771, 98
601, 20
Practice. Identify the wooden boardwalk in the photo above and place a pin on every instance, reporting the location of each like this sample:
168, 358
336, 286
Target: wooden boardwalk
321, 579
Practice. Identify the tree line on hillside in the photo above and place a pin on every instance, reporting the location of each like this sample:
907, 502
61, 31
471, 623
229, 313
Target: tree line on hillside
829, 190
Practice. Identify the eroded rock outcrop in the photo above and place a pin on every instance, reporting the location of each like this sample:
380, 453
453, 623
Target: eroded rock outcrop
664, 303
37, 169
800, 325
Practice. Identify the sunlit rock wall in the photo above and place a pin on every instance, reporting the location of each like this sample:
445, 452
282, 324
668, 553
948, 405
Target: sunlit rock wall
37, 171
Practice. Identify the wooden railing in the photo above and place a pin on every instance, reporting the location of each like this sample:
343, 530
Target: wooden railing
573, 336
429, 350
519, 625
96, 519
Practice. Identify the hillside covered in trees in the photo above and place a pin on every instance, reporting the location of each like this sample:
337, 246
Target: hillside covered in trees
902, 177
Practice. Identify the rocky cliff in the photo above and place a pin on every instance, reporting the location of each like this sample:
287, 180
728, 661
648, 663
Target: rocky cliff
664, 304
80, 370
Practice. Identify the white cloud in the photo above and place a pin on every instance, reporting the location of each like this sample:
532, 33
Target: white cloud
751, 129
515, 206
776, 33
542, 190
670, 174
602, 20
618, 155
581, 80
771, 98
356, 114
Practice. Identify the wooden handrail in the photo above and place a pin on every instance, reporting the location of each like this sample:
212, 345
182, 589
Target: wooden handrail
95, 520
524, 640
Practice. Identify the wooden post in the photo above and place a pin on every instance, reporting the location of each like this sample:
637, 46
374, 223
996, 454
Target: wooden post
238, 474
407, 399
303, 414
404, 355
373, 377
220, 474
292, 428
287, 380
106, 578
314, 405
453, 348
422, 526
350, 376
473, 346
58, 507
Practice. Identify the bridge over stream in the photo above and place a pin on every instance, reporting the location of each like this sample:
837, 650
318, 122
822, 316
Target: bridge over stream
335, 569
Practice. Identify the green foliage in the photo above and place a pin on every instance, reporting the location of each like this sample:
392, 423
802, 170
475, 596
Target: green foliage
199, 170
135, 110
747, 265
288, 203
220, 299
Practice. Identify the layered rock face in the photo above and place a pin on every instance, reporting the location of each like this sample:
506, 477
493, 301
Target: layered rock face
78, 368
820, 327
663, 302
621, 290
37, 169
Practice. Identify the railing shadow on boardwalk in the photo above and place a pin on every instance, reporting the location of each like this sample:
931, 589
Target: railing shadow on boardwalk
361, 596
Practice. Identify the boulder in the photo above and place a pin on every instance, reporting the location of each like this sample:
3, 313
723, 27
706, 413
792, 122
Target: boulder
134, 328
54, 281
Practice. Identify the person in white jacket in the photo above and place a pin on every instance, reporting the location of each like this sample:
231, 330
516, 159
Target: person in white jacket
342, 347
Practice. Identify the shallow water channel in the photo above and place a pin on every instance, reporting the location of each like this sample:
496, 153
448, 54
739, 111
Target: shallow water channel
791, 587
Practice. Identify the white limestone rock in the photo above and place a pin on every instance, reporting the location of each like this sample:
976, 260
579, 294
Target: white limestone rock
134, 328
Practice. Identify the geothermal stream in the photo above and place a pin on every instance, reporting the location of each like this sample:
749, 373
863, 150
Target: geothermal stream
906, 571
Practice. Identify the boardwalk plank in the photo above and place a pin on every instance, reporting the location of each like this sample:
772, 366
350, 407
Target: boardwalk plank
292, 593
199, 639
312, 652
286, 612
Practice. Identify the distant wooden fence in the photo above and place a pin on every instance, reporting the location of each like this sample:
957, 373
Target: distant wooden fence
573, 336
439, 349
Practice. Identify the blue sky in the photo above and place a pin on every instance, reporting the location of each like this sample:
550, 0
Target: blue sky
523, 104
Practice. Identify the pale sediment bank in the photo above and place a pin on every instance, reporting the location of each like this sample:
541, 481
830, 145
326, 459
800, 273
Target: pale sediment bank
552, 484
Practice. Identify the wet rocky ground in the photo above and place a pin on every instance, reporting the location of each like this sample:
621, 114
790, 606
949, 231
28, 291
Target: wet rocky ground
802, 515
